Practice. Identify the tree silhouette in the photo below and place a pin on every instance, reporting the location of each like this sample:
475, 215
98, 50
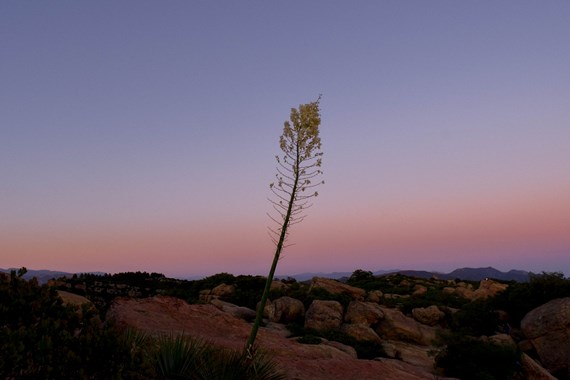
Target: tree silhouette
298, 170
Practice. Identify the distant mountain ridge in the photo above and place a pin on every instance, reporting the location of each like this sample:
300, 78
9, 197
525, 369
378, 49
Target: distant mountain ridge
468, 274
471, 274
43, 275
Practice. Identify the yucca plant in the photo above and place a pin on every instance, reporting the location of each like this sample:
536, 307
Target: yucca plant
178, 357
233, 365
183, 357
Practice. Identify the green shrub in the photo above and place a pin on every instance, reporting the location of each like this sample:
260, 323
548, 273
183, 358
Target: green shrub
182, 357
521, 297
473, 359
42, 338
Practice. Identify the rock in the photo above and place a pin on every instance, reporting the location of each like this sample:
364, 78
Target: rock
418, 356
448, 290
396, 296
237, 311
324, 315
73, 299
502, 340
362, 333
205, 296
337, 287
397, 326
525, 345
533, 370
278, 285
163, 315
488, 288
428, 315
341, 347
286, 310
374, 296
419, 290
463, 292
267, 310
223, 290
364, 313
548, 329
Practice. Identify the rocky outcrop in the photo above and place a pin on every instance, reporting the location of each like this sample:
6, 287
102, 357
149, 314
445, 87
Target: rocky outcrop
418, 356
374, 296
166, 315
278, 285
286, 310
502, 340
548, 329
237, 311
324, 315
223, 290
533, 370
73, 299
337, 287
397, 326
363, 313
419, 290
428, 315
362, 333
488, 288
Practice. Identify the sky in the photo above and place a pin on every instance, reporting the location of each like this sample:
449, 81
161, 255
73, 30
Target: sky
141, 135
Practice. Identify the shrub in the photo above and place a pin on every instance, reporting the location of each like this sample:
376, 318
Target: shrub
182, 357
473, 359
42, 338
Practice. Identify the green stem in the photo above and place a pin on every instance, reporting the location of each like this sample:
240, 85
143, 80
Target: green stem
259, 315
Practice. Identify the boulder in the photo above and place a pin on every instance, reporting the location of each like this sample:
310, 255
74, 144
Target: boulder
419, 290
418, 356
237, 311
488, 288
278, 285
548, 329
286, 310
349, 350
463, 292
223, 290
337, 287
448, 290
502, 340
362, 333
73, 299
324, 315
374, 296
533, 370
428, 315
397, 326
364, 313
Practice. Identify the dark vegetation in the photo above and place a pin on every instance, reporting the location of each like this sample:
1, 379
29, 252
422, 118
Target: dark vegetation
468, 358
41, 338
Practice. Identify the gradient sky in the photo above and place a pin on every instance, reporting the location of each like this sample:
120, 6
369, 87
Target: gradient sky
140, 135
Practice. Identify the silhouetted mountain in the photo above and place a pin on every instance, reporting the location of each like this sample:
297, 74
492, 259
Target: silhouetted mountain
477, 274
43, 275
419, 273
470, 274
309, 275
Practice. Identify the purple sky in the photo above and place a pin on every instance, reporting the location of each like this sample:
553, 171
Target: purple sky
140, 135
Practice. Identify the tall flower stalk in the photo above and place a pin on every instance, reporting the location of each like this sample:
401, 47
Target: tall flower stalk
298, 172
